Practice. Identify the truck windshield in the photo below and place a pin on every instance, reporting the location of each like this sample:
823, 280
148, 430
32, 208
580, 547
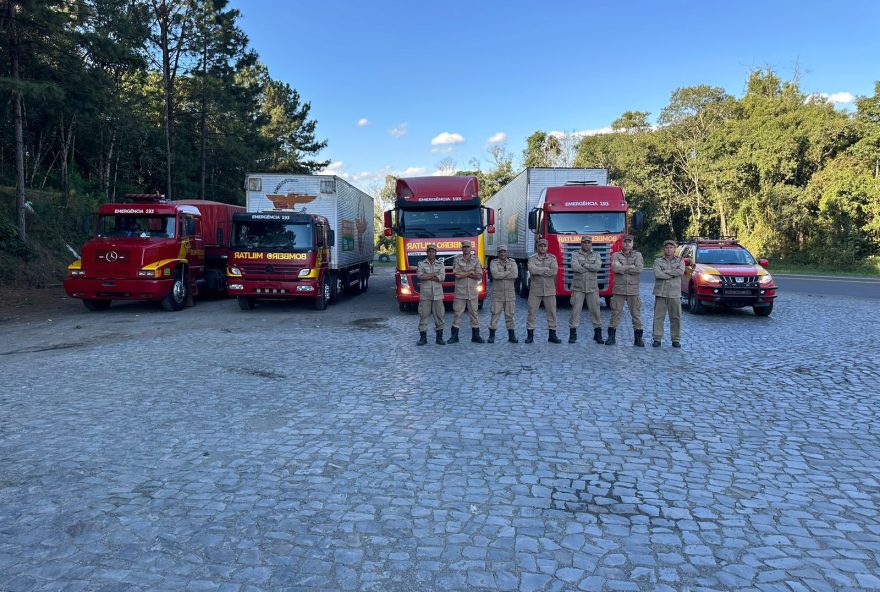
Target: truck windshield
586, 222
137, 226
439, 223
737, 256
264, 234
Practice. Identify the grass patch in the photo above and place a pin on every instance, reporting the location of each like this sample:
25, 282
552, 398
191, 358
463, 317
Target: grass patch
870, 267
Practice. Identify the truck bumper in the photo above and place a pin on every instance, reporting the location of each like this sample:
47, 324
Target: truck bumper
722, 297
115, 289
407, 292
280, 290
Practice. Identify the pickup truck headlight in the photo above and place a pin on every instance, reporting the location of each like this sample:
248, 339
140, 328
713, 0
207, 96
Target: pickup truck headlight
710, 278
404, 281
765, 279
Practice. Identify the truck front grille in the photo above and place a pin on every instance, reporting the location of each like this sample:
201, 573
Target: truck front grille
604, 250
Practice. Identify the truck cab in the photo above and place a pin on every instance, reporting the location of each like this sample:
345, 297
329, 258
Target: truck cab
152, 249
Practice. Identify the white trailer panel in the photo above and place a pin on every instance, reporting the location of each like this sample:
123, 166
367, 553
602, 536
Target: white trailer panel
514, 201
348, 209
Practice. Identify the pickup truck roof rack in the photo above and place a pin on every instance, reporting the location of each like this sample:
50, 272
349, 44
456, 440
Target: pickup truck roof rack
712, 239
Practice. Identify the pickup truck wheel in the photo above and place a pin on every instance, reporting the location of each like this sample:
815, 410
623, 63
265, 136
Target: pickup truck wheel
694, 305
763, 311
404, 306
247, 302
324, 297
96, 305
176, 299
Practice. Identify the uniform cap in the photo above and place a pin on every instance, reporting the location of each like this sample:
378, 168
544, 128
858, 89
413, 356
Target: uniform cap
669, 242
628, 237
586, 239
431, 246
466, 243
502, 247
542, 241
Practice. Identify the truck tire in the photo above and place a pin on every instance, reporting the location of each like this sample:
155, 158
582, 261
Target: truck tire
335, 286
763, 311
176, 298
404, 306
607, 301
96, 305
247, 302
523, 282
694, 305
365, 283
324, 297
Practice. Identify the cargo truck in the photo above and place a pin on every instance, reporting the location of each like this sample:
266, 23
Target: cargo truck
302, 237
153, 249
561, 205
439, 210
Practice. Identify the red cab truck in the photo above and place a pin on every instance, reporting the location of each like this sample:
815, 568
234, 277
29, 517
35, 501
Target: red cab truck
561, 205
439, 210
303, 237
152, 249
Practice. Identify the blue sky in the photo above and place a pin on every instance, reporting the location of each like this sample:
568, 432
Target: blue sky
399, 86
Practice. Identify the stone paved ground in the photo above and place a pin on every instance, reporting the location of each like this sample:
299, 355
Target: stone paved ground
289, 449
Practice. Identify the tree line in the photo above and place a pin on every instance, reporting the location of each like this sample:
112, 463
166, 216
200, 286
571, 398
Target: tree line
105, 97
789, 174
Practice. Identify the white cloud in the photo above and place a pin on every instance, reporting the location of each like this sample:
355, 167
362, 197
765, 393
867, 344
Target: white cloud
497, 138
363, 121
839, 98
581, 133
443, 149
447, 138
399, 131
362, 175
413, 172
334, 168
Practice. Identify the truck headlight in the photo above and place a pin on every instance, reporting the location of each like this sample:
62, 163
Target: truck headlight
765, 279
304, 272
76, 273
710, 278
147, 273
233, 271
404, 281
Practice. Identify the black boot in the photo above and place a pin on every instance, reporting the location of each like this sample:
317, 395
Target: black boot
530, 337
491, 336
423, 338
440, 338
475, 335
511, 336
655, 343
454, 338
597, 335
612, 332
572, 335
638, 341
552, 338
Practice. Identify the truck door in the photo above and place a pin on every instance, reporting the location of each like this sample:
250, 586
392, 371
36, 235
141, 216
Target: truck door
193, 244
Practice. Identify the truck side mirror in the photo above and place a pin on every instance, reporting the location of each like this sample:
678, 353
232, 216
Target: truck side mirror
763, 263
331, 236
387, 218
388, 231
638, 220
490, 215
533, 220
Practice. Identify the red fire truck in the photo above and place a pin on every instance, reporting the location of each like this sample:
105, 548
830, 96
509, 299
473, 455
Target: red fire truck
439, 210
561, 205
153, 249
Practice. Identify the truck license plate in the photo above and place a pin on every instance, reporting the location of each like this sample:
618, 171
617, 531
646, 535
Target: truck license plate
738, 292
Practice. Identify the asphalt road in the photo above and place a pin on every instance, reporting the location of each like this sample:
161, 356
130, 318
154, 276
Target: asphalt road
816, 285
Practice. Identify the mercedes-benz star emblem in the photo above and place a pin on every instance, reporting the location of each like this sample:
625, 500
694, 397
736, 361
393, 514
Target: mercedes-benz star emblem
112, 256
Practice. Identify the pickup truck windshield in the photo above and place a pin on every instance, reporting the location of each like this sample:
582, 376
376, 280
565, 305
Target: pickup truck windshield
439, 223
136, 226
264, 234
735, 256
586, 223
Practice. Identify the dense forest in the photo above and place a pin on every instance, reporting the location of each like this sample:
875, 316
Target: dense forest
105, 97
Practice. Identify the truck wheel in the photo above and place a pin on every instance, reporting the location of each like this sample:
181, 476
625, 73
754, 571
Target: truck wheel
523, 283
176, 299
480, 305
247, 302
96, 305
321, 301
404, 306
763, 311
694, 305
335, 287
607, 301
365, 275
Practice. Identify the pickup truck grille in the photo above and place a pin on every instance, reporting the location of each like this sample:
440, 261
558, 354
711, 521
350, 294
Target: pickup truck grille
604, 250
739, 281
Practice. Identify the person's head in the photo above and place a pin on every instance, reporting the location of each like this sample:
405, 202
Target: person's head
466, 247
627, 243
668, 248
432, 252
502, 252
586, 243
541, 245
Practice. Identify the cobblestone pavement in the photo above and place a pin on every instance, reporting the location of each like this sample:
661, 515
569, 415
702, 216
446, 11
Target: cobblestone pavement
289, 449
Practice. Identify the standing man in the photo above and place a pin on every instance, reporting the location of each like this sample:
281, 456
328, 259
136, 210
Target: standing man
543, 269
468, 275
431, 273
626, 266
668, 270
585, 265
504, 272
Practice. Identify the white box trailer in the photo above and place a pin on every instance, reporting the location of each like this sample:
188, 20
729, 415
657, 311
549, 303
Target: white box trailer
348, 209
514, 201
